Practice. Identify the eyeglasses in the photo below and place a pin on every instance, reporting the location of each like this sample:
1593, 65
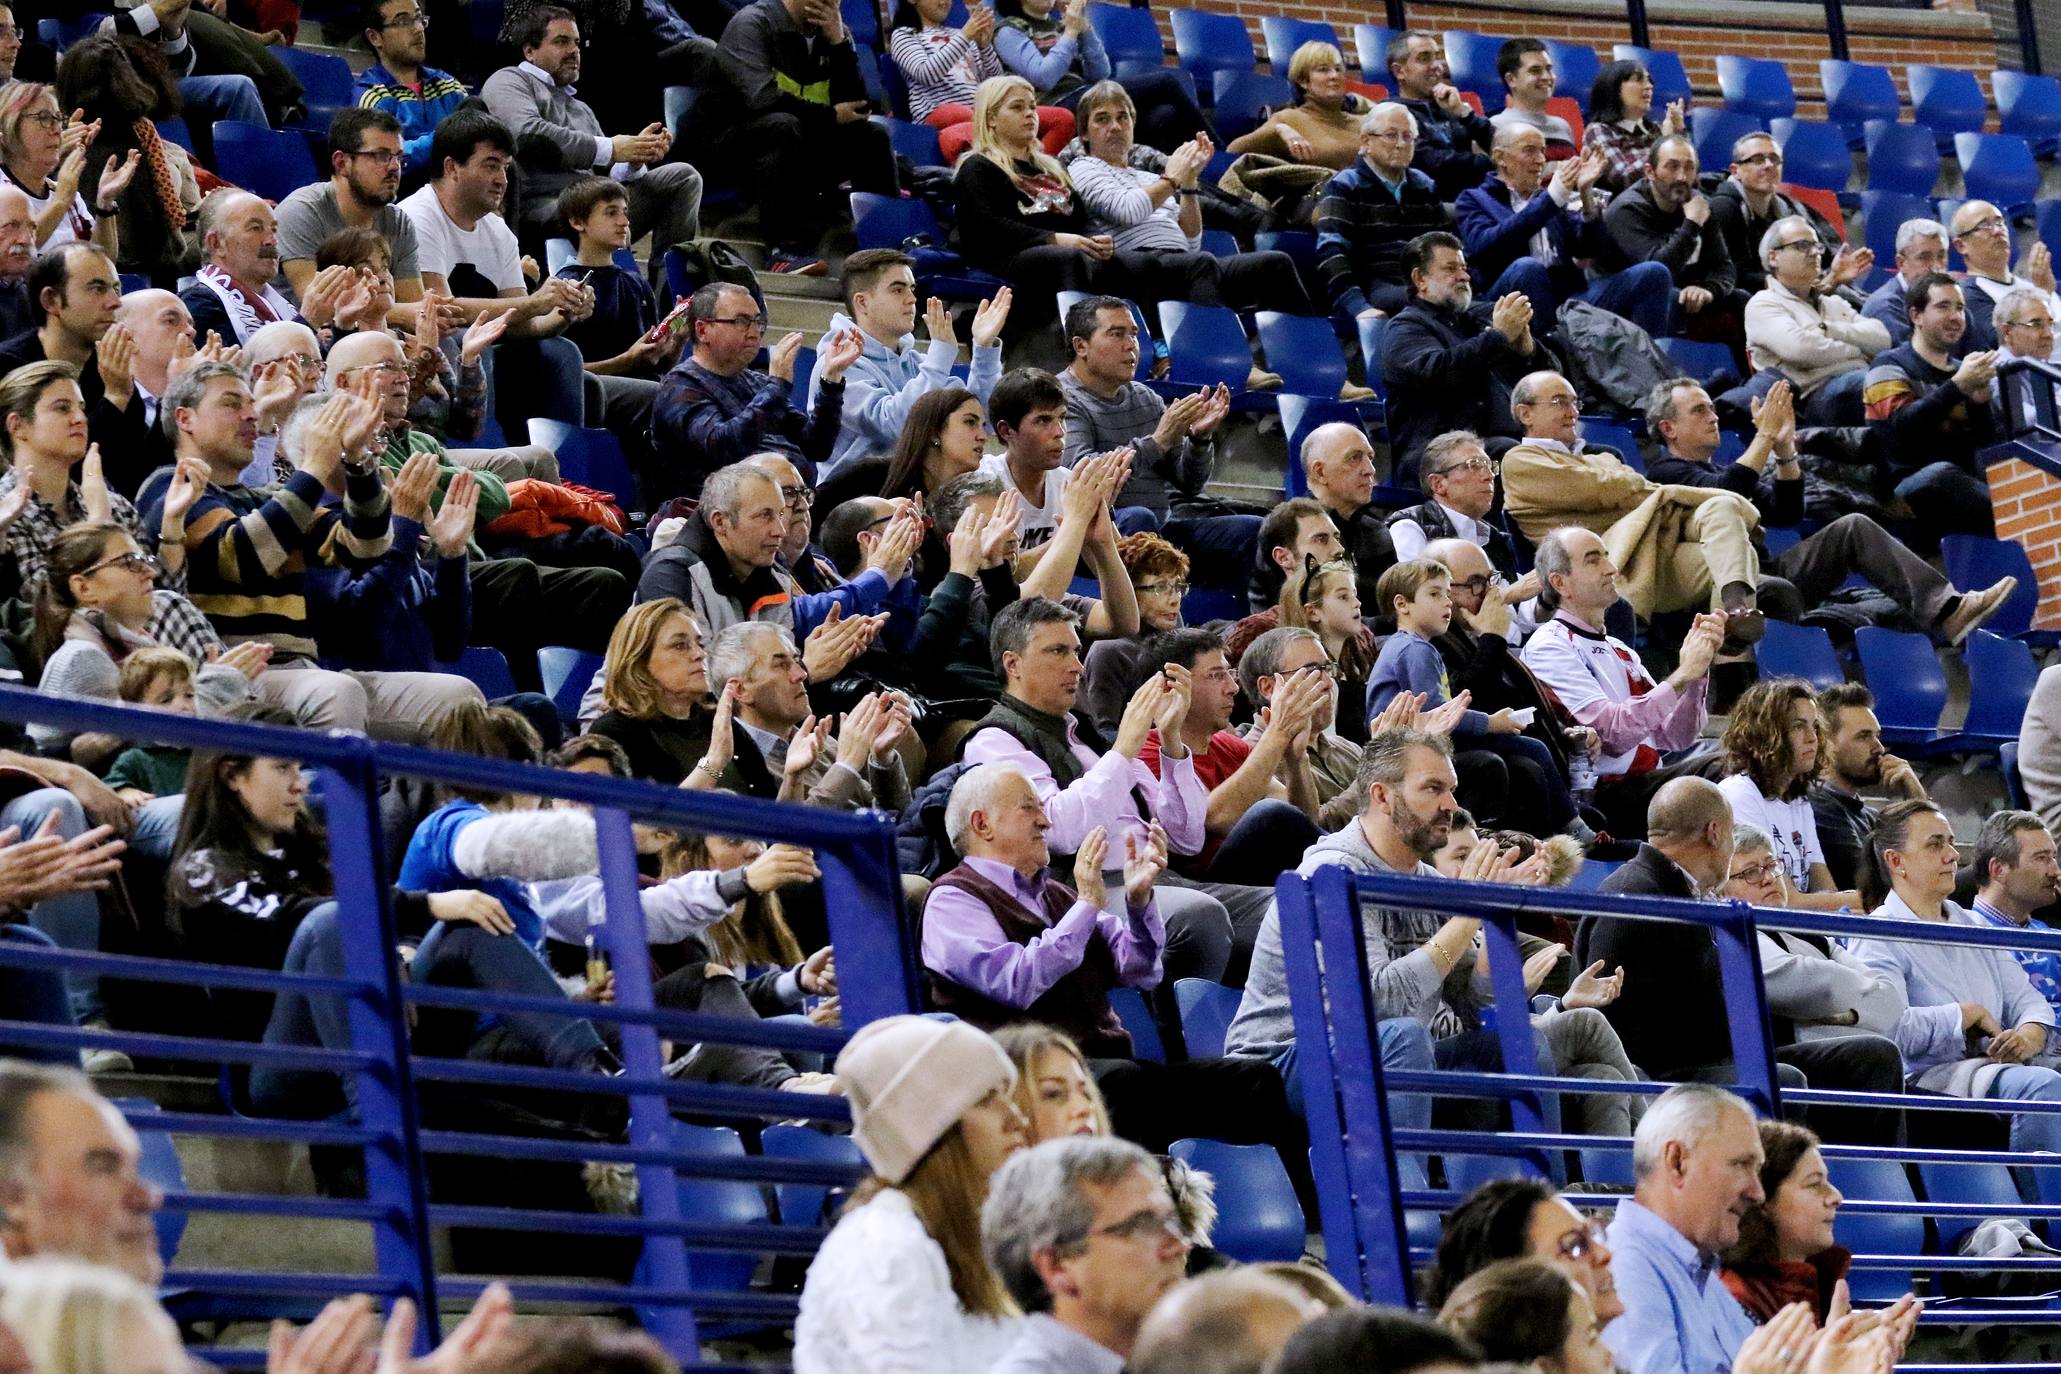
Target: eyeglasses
1758, 873
1577, 1244
799, 498
1150, 1224
381, 157
391, 369
1762, 160
1466, 465
407, 21
1812, 246
127, 562
9, 32
45, 119
1327, 668
1162, 589
750, 324
1478, 584
2036, 326
1994, 225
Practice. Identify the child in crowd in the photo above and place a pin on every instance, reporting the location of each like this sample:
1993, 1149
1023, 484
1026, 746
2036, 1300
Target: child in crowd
616, 339
162, 678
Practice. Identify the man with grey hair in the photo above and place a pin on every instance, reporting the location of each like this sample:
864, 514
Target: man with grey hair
1449, 130
17, 251
1232, 1321
2017, 878
1799, 328
1696, 1158
1270, 661
232, 296
69, 1180
1921, 247
2025, 329
1369, 213
1083, 1234
1460, 479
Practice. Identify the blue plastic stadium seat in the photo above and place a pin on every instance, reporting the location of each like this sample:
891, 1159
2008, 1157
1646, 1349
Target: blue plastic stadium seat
270, 162
717, 1202
173, 129
1207, 43
1300, 415
327, 85
1756, 86
1304, 350
916, 142
1203, 604
1205, 345
1902, 158
1246, 100
1883, 213
1206, 1012
1803, 651
1864, 1233
2014, 781
1067, 301
1700, 360
1909, 685
1471, 57
1219, 242
1283, 36
62, 33
1670, 80
892, 222
161, 1168
1258, 1218
567, 674
1371, 42
1128, 34
1974, 561
1131, 1008
1466, 1172
861, 21
1299, 244
1998, 168
1715, 130
486, 669
1946, 1184
1591, 875
1814, 154
1857, 93
2030, 107
1608, 434
592, 457
1575, 68
1946, 100
2001, 674
808, 1204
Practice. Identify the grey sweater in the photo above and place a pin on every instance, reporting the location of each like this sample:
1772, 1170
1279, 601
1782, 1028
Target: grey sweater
2039, 747
1159, 477
83, 669
557, 137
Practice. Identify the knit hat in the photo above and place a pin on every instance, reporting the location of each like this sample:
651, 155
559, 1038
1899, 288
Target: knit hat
909, 1080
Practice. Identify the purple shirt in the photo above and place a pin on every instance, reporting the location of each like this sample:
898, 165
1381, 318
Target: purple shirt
963, 942
1102, 795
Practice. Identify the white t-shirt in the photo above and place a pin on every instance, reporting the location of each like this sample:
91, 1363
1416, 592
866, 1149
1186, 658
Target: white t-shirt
1790, 824
74, 227
478, 263
1040, 520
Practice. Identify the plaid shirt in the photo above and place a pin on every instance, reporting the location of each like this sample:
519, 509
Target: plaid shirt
178, 624
1624, 152
31, 537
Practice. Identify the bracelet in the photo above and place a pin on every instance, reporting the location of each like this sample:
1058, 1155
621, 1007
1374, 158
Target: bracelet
703, 767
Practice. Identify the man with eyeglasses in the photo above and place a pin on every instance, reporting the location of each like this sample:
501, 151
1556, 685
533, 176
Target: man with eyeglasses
1085, 1237
1369, 213
1982, 236
364, 181
2025, 329
401, 82
1461, 478
1930, 411
1449, 132
17, 251
1269, 664
1338, 467
714, 408
1800, 328
1748, 203
11, 35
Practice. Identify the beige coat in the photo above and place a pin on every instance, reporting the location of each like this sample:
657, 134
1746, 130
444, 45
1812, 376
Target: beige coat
1809, 342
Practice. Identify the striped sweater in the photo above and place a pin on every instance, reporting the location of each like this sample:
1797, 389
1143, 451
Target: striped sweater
248, 553
1363, 228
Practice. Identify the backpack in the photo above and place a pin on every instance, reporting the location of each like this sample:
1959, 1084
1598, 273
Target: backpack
1614, 364
716, 260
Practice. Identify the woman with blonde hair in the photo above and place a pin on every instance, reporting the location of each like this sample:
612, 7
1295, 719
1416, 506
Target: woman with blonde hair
1324, 598
76, 1318
901, 1285
1322, 127
655, 691
45, 158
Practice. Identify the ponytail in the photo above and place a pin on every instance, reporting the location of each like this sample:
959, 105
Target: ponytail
75, 550
1891, 831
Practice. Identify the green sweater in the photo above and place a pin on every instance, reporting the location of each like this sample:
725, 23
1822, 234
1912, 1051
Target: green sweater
159, 769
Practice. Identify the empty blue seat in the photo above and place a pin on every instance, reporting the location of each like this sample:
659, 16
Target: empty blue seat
1131, 1008
1857, 93
2030, 107
1575, 68
1128, 34
1300, 415
1371, 334
1909, 685
1219, 242
1283, 36
1998, 168
1608, 434
1471, 58
1864, 1233
591, 457
809, 1204
1304, 350
269, 162
2001, 674
892, 221
1246, 100
567, 674
1946, 100
717, 1202
1371, 42
1670, 80
62, 33
861, 21
1803, 651
1591, 875
485, 669
1714, 131
173, 129
1702, 361
1465, 1173
1207, 43
1974, 561
1299, 244
1756, 86
1883, 213
1814, 153
1206, 1012
1205, 345
1947, 1184
916, 142
1901, 158
1258, 1218
327, 85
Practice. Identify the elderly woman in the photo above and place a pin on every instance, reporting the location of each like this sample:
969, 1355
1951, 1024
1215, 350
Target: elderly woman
1619, 103
1526, 1312
654, 686
1522, 1217
1772, 744
1146, 203
1051, 44
901, 1284
46, 159
1322, 127
76, 1318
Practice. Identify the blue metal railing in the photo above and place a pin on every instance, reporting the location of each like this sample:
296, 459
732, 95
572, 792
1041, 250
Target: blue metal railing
877, 977
1362, 1161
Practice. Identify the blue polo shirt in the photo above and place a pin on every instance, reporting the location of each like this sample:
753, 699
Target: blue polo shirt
1679, 1318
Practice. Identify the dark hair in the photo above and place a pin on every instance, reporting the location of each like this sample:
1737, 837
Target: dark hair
1918, 294
1997, 842
118, 78
581, 1345
1283, 522
530, 32
347, 129
906, 17
354, 245
1892, 830
863, 269
1181, 645
1371, 1340
370, 18
708, 299
214, 817
581, 748
1514, 1310
1606, 99
1654, 150
1018, 621
1491, 1223
1417, 253
459, 135
1756, 740
841, 528
52, 270
1783, 1145
1019, 392
1084, 314
1399, 47
926, 422
71, 553
486, 732
580, 199
1511, 55
1843, 696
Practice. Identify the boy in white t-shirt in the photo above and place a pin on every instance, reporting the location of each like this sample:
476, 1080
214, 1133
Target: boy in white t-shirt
1028, 411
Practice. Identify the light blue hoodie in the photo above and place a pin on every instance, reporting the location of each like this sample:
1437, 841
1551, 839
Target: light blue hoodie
883, 386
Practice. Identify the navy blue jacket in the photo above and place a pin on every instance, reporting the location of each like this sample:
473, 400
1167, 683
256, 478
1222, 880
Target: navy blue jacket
1447, 147
1496, 234
1362, 230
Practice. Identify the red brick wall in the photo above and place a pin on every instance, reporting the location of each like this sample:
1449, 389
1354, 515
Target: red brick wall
2027, 503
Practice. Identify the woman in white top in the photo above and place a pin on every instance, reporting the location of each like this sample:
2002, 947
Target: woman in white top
1772, 745
46, 158
901, 1285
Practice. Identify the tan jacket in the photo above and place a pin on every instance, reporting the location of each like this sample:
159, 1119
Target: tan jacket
1809, 342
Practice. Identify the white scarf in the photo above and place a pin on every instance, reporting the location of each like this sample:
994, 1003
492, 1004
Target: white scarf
244, 315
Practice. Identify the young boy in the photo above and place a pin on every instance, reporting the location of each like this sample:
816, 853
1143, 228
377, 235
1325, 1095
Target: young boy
1419, 591
162, 678
615, 340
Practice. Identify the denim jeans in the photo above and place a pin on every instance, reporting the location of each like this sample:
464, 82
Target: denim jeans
319, 1022
2033, 1131
465, 955
73, 920
35, 995
222, 97
1948, 499
1642, 293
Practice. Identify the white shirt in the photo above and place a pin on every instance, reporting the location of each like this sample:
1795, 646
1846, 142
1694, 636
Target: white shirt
1790, 824
1996, 290
1409, 539
1038, 520
76, 227
489, 247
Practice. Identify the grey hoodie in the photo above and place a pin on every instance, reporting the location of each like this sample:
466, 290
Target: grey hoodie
884, 385
1404, 979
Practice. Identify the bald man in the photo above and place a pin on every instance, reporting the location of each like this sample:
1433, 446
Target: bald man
1338, 465
1233, 1321
1982, 235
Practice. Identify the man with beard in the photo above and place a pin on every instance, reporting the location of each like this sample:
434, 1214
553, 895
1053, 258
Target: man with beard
364, 179
1420, 965
1449, 364
232, 295
74, 295
401, 82
1665, 219
17, 250
1370, 212
1451, 139
1930, 412
1855, 759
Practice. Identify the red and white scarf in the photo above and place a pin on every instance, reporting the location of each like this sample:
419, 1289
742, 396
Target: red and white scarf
247, 314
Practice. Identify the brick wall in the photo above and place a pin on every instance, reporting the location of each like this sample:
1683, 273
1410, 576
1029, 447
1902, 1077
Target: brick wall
2027, 504
1794, 33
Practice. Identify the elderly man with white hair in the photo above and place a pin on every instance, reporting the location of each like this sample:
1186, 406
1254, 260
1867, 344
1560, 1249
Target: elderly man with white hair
1085, 1237
1368, 214
1798, 328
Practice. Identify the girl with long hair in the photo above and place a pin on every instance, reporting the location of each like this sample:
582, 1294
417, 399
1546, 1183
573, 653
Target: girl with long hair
1774, 738
124, 86
1512, 1218
1620, 123
1324, 598
944, 437
44, 155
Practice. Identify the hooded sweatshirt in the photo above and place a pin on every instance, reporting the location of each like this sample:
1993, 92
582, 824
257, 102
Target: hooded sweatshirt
884, 385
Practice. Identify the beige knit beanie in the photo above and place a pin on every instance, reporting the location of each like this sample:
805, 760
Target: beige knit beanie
909, 1080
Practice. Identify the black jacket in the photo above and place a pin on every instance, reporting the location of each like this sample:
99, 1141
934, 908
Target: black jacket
1742, 229
774, 68
1779, 503
1671, 1015
1431, 517
130, 448
1449, 370
1640, 231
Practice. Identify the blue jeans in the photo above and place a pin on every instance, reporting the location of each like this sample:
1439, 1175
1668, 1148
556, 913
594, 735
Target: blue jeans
531, 378
1948, 499
320, 1022
37, 996
464, 955
2032, 1131
222, 97
1407, 1046
73, 920
1642, 293
1220, 548
156, 828
1837, 402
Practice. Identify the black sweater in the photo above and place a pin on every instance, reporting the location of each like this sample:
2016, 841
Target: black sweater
1671, 1016
996, 223
1640, 231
